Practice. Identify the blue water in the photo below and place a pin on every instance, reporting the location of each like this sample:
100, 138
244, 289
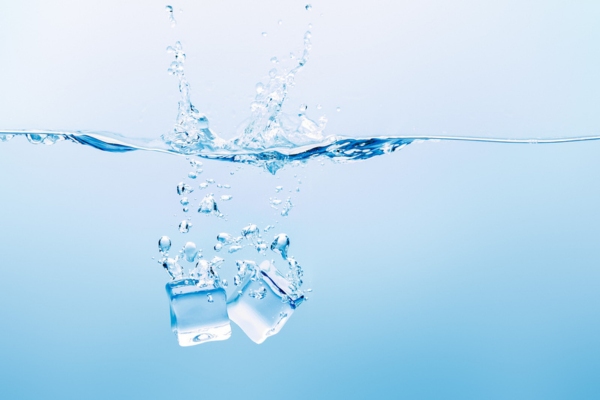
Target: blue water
261, 298
457, 268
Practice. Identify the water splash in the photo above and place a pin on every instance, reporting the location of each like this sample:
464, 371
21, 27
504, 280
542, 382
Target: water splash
336, 148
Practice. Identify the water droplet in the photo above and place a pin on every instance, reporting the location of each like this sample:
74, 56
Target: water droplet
203, 185
279, 22
264, 34
164, 244
280, 245
210, 180
273, 73
226, 197
338, 109
274, 201
268, 228
184, 226
308, 7
195, 164
303, 108
184, 201
209, 298
274, 60
218, 247
186, 209
192, 175
169, 10
183, 188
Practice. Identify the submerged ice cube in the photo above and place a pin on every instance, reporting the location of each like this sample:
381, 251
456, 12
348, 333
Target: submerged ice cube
264, 302
198, 315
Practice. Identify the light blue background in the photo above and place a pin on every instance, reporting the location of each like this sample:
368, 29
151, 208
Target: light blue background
447, 270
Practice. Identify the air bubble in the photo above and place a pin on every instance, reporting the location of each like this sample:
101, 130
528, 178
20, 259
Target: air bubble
184, 226
280, 245
208, 205
164, 244
183, 188
190, 251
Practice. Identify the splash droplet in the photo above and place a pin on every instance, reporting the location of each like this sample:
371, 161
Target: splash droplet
169, 10
259, 89
226, 197
308, 7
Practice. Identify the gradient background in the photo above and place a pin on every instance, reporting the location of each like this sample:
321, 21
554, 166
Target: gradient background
444, 271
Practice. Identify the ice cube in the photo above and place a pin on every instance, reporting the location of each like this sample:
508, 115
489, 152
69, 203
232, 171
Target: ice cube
264, 302
198, 315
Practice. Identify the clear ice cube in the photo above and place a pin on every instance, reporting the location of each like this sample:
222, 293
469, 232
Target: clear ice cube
264, 302
198, 315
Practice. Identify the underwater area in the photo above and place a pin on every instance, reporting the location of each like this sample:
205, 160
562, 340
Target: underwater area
439, 268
